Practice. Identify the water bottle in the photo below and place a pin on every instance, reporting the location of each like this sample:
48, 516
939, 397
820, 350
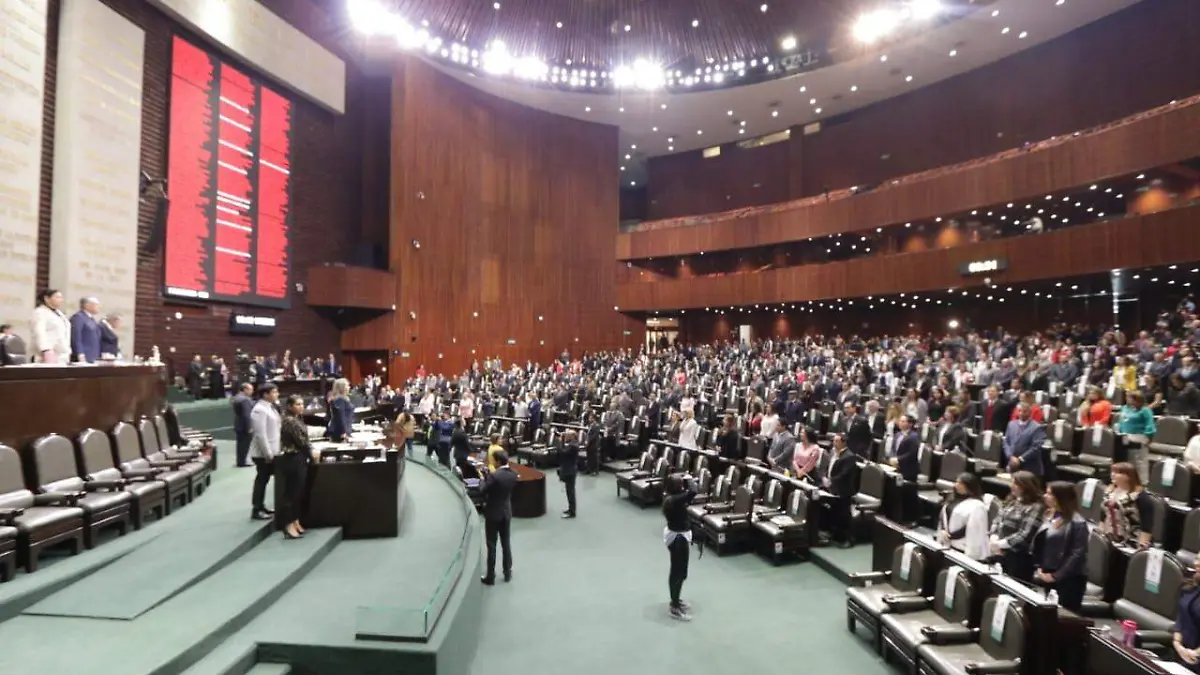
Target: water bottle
1052, 596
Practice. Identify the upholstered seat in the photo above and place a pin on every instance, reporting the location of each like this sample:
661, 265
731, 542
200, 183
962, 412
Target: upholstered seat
719, 493
8, 551
56, 471
1190, 546
729, 528
1096, 456
649, 489
1172, 479
901, 628
127, 447
192, 462
1096, 598
174, 449
1152, 606
1170, 437
999, 649
865, 604
195, 473
96, 463
40, 520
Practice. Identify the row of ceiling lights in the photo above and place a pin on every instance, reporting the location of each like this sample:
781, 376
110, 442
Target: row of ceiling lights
813, 101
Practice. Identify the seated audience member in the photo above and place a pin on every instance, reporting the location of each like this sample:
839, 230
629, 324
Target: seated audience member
907, 459
1186, 641
1063, 540
840, 483
1095, 409
782, 449
1012, 532
341, 411
807, 454
1128, 510
964, 518
1023, 442
1137, 423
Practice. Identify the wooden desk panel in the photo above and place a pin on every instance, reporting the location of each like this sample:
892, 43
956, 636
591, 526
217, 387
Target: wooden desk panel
40, 400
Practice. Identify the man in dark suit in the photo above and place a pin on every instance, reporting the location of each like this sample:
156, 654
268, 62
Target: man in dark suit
908, 450
951, 435
243, 405
85, 332
195, 377
1023, 442
568, 468
858, 432
653, 417
995, 411
793, 412
497, 490
109, 342
839, 481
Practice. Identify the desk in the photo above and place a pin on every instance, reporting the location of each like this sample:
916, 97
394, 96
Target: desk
43, 399
529, 494
1106, 656
352, 488
308, 387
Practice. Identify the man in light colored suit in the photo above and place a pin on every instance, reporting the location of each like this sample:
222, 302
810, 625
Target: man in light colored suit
264, 446
1023, 442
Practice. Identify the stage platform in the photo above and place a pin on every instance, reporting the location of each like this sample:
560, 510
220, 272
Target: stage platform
207, 590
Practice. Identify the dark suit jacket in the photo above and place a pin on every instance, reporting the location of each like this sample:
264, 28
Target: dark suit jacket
85, 337
568, 459
461, 443
535, 413
841, 477
242, 407
908, 456
858, 436
956, 438
497, 490
109, 342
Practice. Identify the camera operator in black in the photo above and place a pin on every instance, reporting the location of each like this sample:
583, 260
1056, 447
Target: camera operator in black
677, 535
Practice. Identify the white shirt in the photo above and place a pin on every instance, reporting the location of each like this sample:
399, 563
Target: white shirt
688, 430
521, 410
1191, 455
687, 403
970, 515
770, 425
426, 406
51, 332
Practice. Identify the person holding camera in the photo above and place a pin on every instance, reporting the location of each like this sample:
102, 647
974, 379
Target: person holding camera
677, 535
568, 468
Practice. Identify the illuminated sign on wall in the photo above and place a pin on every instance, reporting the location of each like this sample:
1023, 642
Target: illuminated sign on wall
246, 324
983, 266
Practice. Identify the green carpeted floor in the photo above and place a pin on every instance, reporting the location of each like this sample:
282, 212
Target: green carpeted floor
589, 596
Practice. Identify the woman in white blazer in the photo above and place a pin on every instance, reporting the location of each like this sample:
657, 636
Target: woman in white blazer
264, 446
964, 522
50, 330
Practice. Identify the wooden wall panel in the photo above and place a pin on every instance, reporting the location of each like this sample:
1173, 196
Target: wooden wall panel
688, 183
1128, 62
326, 172
1138, 241
516, 214
349, 286
1155, 140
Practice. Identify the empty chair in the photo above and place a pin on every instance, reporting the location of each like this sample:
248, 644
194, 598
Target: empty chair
727, 526
989, 452
1172, 479
719, 492
1151, 603
1061, 434
1189, 548
996, 647
1091, 499
1095, 457
644, 468
55, 471
865, 603
40, 520
525, 450
784, 532
134, 465
902, 626
8, 545
1096, 596
97, 464
646, 490
953, 465
1170, 437
197, 472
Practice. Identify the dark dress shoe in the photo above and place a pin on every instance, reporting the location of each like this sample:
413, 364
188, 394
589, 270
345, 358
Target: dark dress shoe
269, 512
507, 577
568, 514
260, 515
486, 581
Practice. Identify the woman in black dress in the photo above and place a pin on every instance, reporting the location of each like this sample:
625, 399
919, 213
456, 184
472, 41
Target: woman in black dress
291, 466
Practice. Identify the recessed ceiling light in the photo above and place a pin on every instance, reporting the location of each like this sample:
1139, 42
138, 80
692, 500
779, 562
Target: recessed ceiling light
622, 168
653, 128
633, 183
774, 113
908, 79
995, 12
1005, 31
742, 123
953, 52
699, 132
729, 112
818, 111
763, 8
663, 106
883, 58
1141, 176
627, 28
812, 101
620, 110
788, 43
741, 131
695, 22
495, 5
587, 109
670, 148
1023, 35
626, 155
1060, 2
854, 87
803, 89
558, 25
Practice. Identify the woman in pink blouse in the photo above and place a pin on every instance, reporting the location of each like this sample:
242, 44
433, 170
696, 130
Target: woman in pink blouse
807, 455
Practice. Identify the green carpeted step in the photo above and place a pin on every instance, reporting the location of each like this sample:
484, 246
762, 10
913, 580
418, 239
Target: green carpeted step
270, 669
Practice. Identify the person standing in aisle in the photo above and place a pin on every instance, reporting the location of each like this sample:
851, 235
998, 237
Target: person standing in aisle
243, 406
264, 446
677, 535
497, 487
295, 449
568, 468
443, 431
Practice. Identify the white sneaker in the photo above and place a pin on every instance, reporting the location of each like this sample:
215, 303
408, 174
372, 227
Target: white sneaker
680, 614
